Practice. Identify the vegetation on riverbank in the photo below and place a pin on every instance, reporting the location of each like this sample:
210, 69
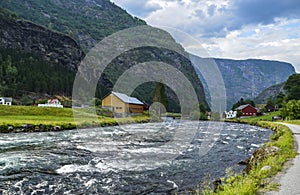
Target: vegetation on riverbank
262, 166
35, 119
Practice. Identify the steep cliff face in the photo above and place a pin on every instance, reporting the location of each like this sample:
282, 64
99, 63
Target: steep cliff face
87, 21
248, 78
31, 38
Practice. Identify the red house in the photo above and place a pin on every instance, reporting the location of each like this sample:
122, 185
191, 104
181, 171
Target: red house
247, 110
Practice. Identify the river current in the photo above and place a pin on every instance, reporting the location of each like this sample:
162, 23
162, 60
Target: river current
154, 158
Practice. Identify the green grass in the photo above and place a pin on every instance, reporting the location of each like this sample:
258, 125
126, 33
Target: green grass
34, 111
45, 119
252, 182
267, 117
294, 122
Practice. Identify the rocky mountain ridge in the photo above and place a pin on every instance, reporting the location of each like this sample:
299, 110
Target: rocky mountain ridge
248, 78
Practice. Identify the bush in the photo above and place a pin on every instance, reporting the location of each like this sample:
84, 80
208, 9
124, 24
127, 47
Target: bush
291, 110
195, 115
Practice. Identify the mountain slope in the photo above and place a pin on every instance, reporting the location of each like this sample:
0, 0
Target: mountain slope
59, 50
247, 78
87, 21
26, 36
270, 92
35, 59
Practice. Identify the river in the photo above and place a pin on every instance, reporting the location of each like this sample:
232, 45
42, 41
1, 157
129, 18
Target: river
130, 159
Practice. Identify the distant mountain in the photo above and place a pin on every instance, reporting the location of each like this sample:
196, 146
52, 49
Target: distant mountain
246, 78
270, 92
87, 21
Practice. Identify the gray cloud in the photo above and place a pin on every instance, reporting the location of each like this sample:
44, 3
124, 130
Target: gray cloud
138, 8
245, 12
264, 12
216, 21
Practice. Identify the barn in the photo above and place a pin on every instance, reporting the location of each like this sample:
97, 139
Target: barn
247, 110
122, 105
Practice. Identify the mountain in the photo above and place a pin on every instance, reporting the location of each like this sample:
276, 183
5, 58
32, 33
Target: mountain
35, 59
270, 92
27, 36
87, 21
245, 78
39, 56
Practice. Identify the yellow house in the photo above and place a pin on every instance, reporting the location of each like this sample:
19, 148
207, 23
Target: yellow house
122, 105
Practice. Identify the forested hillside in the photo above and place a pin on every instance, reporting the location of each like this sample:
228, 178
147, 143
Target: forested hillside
22, 73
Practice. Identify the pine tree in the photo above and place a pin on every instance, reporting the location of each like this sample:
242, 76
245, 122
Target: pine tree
160, 96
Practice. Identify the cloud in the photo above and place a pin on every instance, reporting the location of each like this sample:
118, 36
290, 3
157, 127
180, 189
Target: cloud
266, 11
195, 17
273, 42
138, 8
238, 29
211, 18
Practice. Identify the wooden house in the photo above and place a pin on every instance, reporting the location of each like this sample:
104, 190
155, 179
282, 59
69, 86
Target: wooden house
271, 108
247, 110
122, 105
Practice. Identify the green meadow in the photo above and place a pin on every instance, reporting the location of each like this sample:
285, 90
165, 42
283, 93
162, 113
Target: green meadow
49, 119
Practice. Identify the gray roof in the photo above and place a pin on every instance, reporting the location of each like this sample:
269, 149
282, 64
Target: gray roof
6, 99
243, 106
126, 99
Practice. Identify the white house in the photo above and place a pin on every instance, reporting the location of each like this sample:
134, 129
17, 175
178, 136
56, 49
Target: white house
53, 103
231, 114
5, 101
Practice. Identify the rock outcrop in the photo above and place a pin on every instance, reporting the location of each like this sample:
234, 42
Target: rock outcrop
270, 92
31, 38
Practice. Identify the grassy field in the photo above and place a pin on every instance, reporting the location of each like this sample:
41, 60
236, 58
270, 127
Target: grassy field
259, 180
47, 119
267, 117
295, 122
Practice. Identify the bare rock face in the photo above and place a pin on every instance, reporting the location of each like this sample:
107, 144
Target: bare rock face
31, 38
247, 78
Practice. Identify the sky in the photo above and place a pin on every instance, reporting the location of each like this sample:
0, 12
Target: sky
236, 29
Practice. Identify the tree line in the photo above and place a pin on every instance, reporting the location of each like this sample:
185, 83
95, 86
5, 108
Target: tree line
22, 72
290, 102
